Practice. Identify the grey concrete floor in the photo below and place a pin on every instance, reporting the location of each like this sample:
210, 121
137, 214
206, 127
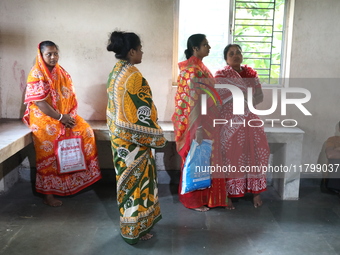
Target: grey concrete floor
88, 224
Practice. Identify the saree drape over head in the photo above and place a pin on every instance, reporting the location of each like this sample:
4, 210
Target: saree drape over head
244, 147
194, 80
57, 90
133, 127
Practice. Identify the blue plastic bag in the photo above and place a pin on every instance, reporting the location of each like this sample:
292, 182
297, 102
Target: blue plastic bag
196, 170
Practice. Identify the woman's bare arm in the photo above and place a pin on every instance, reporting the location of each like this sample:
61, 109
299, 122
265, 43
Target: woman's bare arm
66, 119
258, 96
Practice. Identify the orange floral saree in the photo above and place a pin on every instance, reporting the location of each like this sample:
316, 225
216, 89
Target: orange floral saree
56, 89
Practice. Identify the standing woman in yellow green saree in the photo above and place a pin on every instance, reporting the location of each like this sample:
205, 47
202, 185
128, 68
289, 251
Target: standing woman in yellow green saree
134, 131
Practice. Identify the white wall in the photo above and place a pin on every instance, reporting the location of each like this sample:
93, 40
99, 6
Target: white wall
315, 66
81, 29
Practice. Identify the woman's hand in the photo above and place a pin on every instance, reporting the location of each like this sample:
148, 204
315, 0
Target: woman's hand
258, 96
199, 135
245, 100
68, 121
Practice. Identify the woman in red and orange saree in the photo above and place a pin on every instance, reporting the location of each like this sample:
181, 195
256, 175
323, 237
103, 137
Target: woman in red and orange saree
189, 123
52, 113
244, 147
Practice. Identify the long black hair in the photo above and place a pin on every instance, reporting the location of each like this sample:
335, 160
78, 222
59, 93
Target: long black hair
193, 41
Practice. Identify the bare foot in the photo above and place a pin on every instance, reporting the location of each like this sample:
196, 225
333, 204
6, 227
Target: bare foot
257, 200
146, 237
202, 209
51, 201
230, 205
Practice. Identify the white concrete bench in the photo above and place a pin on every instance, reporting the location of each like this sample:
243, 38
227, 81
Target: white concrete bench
285, 144
14, 136
286, 150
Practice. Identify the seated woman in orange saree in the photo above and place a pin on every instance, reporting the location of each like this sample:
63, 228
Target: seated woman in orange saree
134, 131
52, 113
242, 145
194, 78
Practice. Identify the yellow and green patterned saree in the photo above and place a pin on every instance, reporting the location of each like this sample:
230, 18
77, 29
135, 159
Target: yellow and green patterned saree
134, 131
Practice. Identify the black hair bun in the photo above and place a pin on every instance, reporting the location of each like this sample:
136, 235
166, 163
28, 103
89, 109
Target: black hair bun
116, 42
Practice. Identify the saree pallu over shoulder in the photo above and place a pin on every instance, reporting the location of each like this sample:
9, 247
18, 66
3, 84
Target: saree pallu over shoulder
132, 122
242, 146
131, 113
195, 79
246, 78
56, 89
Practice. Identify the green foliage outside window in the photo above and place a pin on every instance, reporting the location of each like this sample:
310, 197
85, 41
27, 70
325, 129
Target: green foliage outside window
258, 28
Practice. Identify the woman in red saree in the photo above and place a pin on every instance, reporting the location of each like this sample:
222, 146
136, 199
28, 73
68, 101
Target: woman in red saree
189, 124
51, 113
242, 145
